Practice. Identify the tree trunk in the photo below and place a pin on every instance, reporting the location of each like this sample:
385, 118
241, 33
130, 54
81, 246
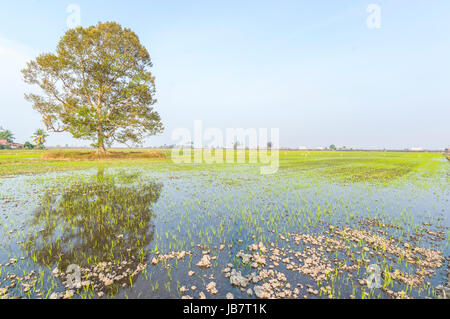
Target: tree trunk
100, 134
101, 150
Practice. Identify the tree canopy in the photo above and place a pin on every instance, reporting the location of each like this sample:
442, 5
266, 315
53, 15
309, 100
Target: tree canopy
39, 137
97, 86
6, 135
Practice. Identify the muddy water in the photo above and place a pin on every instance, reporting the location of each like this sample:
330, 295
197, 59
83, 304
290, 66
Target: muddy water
112, 223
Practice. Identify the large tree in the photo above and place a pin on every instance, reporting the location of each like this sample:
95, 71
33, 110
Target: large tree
97, 86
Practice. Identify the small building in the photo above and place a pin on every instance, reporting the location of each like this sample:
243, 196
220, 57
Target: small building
5, 143
16, 145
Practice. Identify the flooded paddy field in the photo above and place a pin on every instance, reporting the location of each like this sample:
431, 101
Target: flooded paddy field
326, 225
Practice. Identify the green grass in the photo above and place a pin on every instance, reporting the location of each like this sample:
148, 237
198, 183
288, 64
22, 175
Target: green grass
31, 162
347, 166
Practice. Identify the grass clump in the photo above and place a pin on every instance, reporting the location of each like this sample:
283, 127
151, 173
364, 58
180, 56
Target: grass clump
90, 155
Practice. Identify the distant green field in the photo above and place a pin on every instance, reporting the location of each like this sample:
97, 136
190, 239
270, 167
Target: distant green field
347, 165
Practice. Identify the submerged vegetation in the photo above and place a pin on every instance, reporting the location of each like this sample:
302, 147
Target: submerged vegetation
92, 223
321, 227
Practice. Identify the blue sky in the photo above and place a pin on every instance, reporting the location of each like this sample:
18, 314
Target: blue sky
313, 69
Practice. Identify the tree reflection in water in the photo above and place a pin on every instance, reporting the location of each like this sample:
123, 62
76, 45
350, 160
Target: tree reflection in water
95, 225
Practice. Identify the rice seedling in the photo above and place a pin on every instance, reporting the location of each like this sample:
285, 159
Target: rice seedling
138, 222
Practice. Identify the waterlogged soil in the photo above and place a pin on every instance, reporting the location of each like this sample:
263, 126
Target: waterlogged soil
225, 232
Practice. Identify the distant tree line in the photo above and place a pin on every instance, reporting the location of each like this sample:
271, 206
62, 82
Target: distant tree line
39, 138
